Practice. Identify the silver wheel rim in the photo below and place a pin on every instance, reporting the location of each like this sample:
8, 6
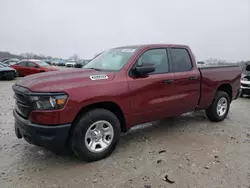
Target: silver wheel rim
222, 106
99, 136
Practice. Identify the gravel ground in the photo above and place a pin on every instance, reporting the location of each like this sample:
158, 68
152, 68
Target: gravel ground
189, 149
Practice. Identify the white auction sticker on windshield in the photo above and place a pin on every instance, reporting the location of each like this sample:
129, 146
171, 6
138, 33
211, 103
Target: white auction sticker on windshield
99, 77
128, 50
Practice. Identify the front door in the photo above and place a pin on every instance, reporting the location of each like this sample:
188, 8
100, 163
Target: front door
32, 68
22, 68
152, 97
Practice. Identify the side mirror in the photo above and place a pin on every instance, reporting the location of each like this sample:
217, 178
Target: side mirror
144, 70
36, 66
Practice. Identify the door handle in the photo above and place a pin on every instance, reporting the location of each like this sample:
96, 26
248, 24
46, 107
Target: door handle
168, 81
193, 78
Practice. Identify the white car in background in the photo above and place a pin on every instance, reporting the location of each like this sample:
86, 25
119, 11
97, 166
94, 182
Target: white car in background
70, 63
245, 81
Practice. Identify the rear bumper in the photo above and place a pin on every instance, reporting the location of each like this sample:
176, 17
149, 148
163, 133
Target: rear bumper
52, 137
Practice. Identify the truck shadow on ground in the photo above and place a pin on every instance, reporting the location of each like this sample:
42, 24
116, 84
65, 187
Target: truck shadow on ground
190, 122
246, 97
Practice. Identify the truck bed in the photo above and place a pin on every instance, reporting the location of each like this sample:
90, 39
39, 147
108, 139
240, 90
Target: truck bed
213, 77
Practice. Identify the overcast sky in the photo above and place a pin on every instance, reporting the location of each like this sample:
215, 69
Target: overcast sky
212, 28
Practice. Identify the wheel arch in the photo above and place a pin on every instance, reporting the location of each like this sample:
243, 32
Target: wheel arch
226, 87
108, 105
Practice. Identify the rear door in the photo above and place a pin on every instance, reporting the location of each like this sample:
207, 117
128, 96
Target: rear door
187, 80
152, 97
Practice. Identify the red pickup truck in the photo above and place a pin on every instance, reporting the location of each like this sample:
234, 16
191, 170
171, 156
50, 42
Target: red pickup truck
87, 109
27, 67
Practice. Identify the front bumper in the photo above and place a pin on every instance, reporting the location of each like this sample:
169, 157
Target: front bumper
52, 137
245, 90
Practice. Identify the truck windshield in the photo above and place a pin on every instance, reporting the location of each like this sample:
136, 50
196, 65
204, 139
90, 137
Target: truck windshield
111, 60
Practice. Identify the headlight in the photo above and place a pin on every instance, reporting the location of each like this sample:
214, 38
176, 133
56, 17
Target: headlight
44, 102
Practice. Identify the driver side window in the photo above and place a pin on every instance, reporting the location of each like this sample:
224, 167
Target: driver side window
31, 64
156, 57
23, 64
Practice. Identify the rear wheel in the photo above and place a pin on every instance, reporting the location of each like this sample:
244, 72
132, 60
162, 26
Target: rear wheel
95, 135
219, 109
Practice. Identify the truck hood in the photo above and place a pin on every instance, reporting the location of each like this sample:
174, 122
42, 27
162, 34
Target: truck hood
59, 81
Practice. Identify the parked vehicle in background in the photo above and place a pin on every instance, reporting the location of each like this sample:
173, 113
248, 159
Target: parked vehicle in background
3, 64
86, 109
245, 81
47, 61
55, 62
201, 63
10, 62
4, 59
7, 73
61, 62
81, 63
27, 67
70, 63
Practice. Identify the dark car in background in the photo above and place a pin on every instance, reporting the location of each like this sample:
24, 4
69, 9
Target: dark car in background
81, 63
27, 67
7, 73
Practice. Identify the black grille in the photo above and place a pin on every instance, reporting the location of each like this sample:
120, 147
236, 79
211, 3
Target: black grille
245, 85
23, 105
247, 78
9, 73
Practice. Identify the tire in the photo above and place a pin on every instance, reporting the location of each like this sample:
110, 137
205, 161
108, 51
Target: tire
242, 94
81, 141
212, 113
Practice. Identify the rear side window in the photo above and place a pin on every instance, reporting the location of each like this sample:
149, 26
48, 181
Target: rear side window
180, 59
23, 63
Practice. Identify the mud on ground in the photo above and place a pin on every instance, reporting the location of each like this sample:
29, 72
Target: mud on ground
185, 151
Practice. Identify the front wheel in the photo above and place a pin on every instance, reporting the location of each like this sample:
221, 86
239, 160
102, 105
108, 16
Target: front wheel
219, 109
95, 135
